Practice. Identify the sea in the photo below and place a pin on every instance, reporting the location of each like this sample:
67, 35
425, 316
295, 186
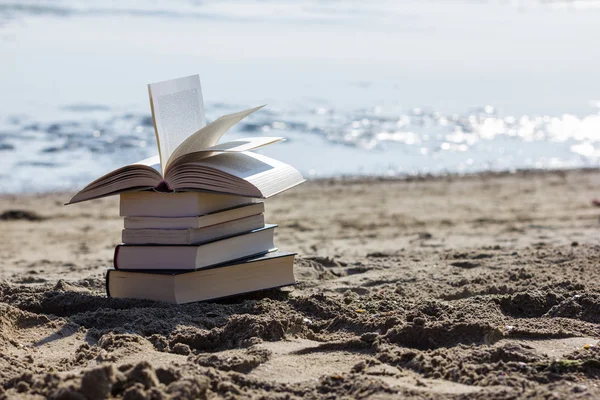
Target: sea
358, 88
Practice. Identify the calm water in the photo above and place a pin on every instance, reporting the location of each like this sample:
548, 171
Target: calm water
378, 88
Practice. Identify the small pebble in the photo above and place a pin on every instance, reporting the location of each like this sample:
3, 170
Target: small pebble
579, 388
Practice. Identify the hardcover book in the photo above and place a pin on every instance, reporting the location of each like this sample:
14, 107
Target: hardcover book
183, 204
269, 271
192, 257
196, 219
193, 235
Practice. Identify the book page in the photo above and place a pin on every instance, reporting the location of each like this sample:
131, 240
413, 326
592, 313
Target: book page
177, 112
244, 144
233, 146
242, 165
238, 173
268, 175
152, 162
209, 135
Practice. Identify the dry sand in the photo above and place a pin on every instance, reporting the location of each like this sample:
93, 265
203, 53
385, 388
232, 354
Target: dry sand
484, 286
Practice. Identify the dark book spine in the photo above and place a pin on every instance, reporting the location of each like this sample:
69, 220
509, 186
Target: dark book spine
107, 283
116, 256
163, 186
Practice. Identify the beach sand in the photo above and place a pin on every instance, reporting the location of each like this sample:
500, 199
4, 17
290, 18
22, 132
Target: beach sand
484, 286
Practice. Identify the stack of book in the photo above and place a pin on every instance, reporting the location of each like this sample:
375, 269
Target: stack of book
183, 247
194, 226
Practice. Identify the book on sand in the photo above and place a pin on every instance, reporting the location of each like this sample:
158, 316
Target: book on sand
192, 257
190, 158
195, 235
183, 204
269, 271
193, 222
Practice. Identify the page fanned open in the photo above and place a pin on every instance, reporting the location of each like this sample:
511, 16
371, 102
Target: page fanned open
242, 173
208, 136
177, 112
234, 146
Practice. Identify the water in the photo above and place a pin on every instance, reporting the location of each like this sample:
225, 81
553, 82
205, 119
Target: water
358, 88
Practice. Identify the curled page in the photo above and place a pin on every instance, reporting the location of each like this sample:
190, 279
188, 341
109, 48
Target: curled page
265, 175
177, 112
244, 144
237, 145
209, 135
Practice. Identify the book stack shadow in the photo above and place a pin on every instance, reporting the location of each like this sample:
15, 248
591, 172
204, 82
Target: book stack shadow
194, 246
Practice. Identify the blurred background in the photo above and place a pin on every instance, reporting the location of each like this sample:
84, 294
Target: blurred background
358, 87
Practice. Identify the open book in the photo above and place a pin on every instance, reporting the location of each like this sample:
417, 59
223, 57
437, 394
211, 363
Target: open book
190, 158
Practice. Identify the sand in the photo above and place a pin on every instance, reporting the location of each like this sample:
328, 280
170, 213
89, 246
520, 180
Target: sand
485, 286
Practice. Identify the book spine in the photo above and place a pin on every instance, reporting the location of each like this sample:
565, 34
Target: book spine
115, 262
163, 187
107, 283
